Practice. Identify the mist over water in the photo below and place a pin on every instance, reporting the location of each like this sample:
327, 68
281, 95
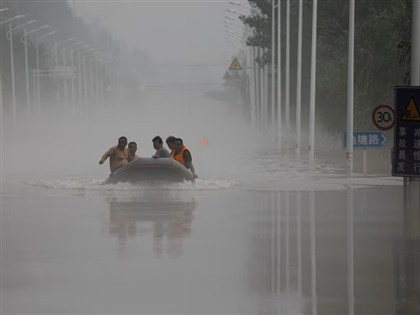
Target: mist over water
61, 147
68, 145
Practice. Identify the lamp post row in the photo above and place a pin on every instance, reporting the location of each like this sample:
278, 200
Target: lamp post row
269, 109
97, 62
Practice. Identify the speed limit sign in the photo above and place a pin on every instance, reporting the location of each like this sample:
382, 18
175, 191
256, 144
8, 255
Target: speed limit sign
383, 117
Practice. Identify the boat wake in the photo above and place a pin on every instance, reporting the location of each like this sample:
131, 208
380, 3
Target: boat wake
97, 184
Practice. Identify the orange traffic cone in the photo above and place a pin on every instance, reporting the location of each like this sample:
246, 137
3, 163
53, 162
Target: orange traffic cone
204, 141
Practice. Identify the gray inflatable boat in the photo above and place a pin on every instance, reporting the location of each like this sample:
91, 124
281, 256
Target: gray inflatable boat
150, 169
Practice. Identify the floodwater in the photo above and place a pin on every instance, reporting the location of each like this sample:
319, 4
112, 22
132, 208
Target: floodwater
260, 232
215, 247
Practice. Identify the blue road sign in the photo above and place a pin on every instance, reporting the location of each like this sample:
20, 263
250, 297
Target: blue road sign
366, 139
406, 157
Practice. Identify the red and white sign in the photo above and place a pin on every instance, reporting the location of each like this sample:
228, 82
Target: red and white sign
383, 117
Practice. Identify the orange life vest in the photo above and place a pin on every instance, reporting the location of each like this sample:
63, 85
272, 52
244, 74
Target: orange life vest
179, 156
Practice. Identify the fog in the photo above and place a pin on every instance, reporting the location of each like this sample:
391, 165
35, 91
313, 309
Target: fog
189, 54
69, 144
170, 84
170, 31
187, 57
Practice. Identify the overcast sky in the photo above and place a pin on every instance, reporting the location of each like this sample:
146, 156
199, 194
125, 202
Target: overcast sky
173, 30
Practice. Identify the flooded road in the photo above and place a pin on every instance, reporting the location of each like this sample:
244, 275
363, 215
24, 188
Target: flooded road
191, 250
260, 232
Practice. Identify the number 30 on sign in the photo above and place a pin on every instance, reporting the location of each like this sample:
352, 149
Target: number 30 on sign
383, 117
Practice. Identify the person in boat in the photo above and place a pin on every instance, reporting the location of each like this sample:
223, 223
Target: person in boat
170, 142
183, 155
132, 148
118, 155
161, 152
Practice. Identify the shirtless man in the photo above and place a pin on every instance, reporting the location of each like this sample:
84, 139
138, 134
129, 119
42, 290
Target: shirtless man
118, 155
132, 148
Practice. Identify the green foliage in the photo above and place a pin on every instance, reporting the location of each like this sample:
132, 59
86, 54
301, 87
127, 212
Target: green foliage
382, 53
381, 58
260, 25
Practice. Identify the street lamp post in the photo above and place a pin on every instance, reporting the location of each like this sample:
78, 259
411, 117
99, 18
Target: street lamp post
95, 79
350, 86
261, 87
24, 40
101, 81
1, 82
81, 75
85, 81
55, 48
266, 82
98, 78
65, 79
279, 92
273, 57
9, 36
78, 52
38, 88
299, 80
312, 87
72, 51
64, 53
89, 81
287, 74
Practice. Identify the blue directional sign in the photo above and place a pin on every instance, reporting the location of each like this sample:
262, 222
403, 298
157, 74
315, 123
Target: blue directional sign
366, 139
406, 157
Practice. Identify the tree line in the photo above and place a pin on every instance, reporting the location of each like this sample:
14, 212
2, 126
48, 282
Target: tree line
381, 53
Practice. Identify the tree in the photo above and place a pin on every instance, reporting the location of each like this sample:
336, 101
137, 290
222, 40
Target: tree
382, 53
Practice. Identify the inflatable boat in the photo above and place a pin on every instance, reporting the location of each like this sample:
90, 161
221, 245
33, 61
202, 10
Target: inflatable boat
150, 169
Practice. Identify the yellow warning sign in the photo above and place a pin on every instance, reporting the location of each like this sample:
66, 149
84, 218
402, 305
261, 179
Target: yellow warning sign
411, 111
235, 65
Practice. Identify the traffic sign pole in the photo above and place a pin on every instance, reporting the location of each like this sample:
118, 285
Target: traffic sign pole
365, 140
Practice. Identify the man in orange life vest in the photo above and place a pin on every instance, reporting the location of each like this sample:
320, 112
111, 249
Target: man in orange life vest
183, 155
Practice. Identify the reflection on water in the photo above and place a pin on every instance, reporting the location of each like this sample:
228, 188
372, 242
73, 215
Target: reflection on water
407, 280
407, 254
285, 252
165, 215
310, 258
